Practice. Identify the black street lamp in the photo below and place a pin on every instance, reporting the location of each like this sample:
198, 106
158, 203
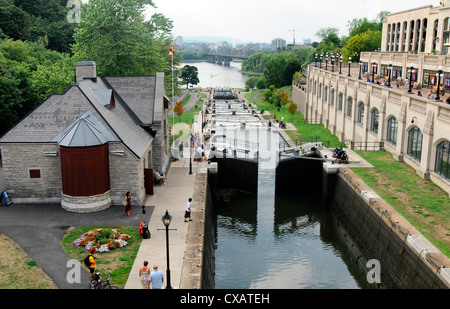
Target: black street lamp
166, 219
332, 62
326, 62
373, 70
190, 154
360, 68
349, 64
389, 74
410, 71
315, 60
440, 73
340, 64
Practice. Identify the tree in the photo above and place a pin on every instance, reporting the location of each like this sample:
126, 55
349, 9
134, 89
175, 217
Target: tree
367, 41
189, 75
115, 35
292, 108
179, 109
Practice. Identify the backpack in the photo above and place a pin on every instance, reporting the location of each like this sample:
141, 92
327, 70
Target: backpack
86, 261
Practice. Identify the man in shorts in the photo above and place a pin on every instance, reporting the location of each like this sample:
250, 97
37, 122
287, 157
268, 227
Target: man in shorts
187, 211
92, 259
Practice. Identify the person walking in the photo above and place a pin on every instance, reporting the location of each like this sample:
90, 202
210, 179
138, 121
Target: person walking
187, 210
127, 203
156, 278
180, 148
144, 274
92, 260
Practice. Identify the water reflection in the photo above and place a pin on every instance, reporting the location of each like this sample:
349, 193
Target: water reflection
282, 242
214, 75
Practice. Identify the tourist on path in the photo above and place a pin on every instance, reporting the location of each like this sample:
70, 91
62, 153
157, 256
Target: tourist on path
144, 274
92, 259
187, 211
127, 203
156, 278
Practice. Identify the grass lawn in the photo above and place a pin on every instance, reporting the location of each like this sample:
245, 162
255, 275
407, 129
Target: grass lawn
18, 271
117, 262
421, 202
305, 131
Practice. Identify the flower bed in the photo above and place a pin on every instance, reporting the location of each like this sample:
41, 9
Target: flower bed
103, 239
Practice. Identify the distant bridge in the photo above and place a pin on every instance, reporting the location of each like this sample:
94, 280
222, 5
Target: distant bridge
224, 54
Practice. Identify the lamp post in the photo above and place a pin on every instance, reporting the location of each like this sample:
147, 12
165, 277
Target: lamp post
440, 73
321, 57
315, 60
410, 71
332, 62
166, 219
326, 62
190, 153
340, 64
373, 70
389, 74
360, 68
349, 64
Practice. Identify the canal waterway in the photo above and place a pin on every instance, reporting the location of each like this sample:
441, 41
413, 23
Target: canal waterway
214, 75
279, 241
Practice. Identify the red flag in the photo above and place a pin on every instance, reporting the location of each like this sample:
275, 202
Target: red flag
171, 50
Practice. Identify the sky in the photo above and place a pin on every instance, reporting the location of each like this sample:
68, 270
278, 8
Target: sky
264, 20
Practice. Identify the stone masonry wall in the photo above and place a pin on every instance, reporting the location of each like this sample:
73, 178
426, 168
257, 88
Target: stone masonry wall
377, 232
18, 159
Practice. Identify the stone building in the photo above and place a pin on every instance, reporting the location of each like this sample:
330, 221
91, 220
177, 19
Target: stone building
87, 147
361, 109
422, 30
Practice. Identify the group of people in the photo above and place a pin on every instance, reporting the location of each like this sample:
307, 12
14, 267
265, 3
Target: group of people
153, 279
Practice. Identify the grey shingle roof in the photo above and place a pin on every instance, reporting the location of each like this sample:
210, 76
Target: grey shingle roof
135, 107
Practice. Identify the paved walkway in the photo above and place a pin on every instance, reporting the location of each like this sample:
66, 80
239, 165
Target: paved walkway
171, 197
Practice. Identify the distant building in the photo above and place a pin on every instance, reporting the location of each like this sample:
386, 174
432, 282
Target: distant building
278, 43
307, 41
87, 147
179, 41
422, 30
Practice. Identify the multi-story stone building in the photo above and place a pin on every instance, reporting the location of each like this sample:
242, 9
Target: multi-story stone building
422, 30
87, 147
361, 110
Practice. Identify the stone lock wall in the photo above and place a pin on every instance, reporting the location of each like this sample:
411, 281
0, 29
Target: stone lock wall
375, 231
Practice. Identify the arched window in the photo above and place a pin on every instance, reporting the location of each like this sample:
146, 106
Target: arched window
360, 113
392, 131
374, 121
325, 95
340, 102
442, 166
350, 107
332, 97
320, 90
415, 138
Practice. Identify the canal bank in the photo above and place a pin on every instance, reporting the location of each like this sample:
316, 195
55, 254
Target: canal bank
372, 231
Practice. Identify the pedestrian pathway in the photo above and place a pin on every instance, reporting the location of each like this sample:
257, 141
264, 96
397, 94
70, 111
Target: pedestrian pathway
172, 196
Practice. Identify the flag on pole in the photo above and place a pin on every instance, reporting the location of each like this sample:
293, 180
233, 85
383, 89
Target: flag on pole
171, 50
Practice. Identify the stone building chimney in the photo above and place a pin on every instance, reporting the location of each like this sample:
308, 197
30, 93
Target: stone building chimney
85, 70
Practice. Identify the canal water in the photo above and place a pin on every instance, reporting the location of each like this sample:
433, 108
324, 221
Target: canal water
214, 75
275, 240
279, 241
